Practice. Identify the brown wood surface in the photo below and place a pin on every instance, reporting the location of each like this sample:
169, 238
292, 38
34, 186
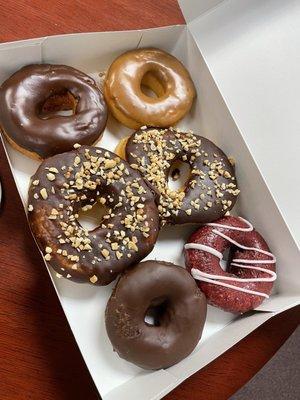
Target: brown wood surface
39, 358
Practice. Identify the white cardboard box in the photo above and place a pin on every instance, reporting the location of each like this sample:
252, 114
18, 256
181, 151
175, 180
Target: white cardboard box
244, 59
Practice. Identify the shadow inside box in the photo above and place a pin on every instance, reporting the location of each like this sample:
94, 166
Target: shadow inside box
24, 164
175, 232
78, 291
112, 360
116, 129
170, 242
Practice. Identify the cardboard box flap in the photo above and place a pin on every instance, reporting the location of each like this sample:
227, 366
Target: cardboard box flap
15, 57
251, 48
158, 384
192, 9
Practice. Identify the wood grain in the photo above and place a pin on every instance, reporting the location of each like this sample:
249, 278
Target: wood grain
24, 19
39, 358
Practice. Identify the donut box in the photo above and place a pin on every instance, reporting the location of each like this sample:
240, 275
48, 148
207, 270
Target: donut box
246, 105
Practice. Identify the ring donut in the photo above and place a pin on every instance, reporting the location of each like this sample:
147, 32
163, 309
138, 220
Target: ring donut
210, 190
66, 183
250, 276
29, 100
157, 70
180, 310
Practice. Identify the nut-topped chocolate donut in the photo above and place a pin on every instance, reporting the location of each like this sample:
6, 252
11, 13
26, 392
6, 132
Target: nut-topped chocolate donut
68, 182
178, 307
211, 189
159, 71
30, 99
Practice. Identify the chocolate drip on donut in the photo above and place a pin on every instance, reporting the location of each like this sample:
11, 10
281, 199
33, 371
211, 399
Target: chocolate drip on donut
211, 189
180, 309
76, 180
38, 90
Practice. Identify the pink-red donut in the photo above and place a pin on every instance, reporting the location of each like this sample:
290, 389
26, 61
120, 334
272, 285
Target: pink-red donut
248, 279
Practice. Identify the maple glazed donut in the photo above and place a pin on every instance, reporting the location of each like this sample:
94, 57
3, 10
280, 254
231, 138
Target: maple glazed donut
30, 100
160, 72
178, 308
66, 183
250, 276
210, 190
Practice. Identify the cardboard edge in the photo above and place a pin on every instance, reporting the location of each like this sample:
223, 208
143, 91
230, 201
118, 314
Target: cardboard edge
74, 35
193, 9
286, 302
40, 40
22, 43
162, 382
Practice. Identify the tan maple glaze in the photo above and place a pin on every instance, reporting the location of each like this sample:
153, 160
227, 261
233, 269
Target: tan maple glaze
22, 100
160, 71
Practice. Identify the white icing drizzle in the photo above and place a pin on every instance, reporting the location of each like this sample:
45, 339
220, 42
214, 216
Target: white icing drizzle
215, 279
234, 228
203, 247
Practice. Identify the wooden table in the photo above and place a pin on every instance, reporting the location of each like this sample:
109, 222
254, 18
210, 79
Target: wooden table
39, 358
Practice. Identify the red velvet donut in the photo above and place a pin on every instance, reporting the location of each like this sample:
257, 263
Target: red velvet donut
250, 276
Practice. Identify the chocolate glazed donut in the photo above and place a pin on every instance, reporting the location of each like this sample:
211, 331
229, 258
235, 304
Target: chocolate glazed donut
211, 189
29, 98
76, 180
180, 307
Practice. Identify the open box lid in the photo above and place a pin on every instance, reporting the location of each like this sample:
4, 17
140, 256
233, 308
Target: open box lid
252, 49
193, 9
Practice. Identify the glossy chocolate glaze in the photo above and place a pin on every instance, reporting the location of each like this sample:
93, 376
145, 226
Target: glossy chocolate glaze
66, 182
124, 95
180, 321
210, 191
23, 95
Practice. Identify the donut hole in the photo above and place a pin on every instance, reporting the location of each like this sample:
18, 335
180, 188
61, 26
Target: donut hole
157, 313
179, 175
148, 91
58, 104
152, 86
228, 255
91, 216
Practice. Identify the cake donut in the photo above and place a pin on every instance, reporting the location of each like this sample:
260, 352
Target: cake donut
30, 100
157, 70
66, 183
250, 276
211, 188
178, 308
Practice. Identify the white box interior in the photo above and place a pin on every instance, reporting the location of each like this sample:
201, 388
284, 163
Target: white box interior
84, 305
